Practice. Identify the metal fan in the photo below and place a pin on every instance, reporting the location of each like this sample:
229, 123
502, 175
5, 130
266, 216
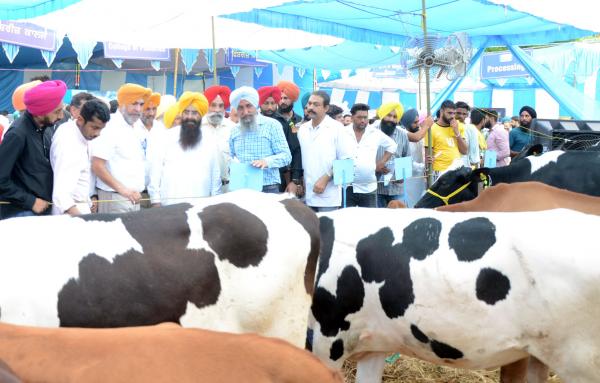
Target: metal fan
447, 57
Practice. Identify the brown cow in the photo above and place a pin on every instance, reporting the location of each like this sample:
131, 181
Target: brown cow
526, 196
163, 353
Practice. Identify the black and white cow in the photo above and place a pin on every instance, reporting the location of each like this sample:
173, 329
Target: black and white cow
467, 290
576, 171
241, 262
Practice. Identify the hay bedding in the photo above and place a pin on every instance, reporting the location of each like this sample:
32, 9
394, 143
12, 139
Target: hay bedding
409, 370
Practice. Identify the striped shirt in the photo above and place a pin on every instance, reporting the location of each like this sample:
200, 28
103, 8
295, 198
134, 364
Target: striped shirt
265, 142
400, 137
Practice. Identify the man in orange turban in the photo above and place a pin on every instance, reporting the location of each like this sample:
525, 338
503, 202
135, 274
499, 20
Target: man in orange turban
290, 121
119, 154
215, 124
25, 171
289, 95
149, 110
19, 93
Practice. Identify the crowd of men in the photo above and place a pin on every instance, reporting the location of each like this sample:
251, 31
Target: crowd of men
144, 150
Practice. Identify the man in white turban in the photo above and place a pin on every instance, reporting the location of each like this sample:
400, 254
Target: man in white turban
258, 140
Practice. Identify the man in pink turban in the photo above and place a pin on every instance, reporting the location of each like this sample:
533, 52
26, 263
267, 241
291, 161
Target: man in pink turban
25, 171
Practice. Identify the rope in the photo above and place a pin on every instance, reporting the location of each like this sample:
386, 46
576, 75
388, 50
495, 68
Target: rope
188, 198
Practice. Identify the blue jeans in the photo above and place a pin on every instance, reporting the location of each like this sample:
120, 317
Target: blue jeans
271, 189
323, 209
383, 200
24, 213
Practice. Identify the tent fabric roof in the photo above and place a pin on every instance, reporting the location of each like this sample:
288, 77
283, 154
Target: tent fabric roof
174, 24
393, 23
24, 9
581, 14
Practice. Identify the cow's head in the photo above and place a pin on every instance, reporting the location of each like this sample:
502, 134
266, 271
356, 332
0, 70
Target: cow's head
531, 150
453, 186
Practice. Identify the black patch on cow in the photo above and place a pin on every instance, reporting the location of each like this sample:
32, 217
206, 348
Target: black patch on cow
142, 289
445, 351
309, 221
240, 237
441, 350
417, 333
327, 238
337, 350
382, 262
422, 237
331, 311
472, 238
492, 286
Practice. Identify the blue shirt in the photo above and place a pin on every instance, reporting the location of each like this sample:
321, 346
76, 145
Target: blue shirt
519, 139
265, 142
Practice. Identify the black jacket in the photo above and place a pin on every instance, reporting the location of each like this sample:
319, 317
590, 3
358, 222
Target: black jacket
291, 135
25, 171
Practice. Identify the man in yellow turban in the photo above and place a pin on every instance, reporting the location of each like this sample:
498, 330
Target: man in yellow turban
172, 117
389, 188
119, 154
183, 147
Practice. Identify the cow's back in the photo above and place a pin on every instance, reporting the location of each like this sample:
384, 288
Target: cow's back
436, 285
155, 354
234, 262
526, 196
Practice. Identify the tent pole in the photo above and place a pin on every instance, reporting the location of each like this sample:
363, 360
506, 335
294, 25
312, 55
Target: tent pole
175, 72
427, 95
214, 52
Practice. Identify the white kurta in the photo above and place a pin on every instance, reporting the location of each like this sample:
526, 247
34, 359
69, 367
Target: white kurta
70, 160
365, 158
320, 146
121, 145
221, 134
178, 175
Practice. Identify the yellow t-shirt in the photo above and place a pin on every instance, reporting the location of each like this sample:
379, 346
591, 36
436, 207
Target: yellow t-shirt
445, 148
482, 141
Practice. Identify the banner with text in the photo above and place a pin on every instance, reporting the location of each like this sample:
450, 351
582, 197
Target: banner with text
502, 64
133, 52
235, 57
27, 35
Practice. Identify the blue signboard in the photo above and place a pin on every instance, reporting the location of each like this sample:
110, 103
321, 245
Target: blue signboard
236, 57
27, 35
502, 64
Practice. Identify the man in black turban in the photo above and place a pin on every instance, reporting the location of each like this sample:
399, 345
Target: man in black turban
522, 136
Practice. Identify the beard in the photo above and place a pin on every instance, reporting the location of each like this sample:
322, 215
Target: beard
267, 112
387, 127
215, 118
444, 121
130, 118
525, 124
248, 122
488, 125
190, 134
283, 108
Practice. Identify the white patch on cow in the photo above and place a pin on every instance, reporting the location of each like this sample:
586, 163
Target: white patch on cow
41, 254
551, 309
270, 298
537, 162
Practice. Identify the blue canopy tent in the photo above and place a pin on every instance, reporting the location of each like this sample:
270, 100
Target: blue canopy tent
384, 22
26, 9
